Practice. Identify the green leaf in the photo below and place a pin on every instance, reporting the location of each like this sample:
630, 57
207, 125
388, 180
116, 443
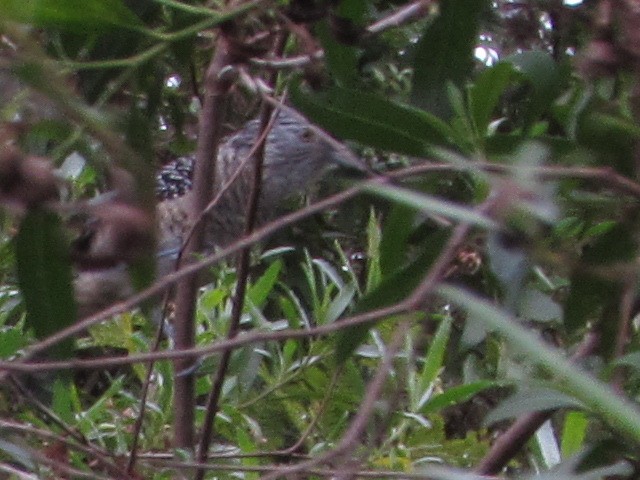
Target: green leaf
486, 92
80, 16
261, 289
617, 244
445, 54
353, 10
44, 276
510, 264
530, 400
539, 307
590, 294
62, 400
18, 452
585, 300
455, 395
613, 138
541, 73
435, 355
372, 120
340, 303
395, 235
11, 340
629, 360
374, 256
342, 60
574, 433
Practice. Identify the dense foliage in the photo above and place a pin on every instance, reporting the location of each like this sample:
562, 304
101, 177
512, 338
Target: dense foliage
466, 309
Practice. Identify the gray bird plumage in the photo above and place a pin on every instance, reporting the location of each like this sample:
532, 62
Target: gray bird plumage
295, 156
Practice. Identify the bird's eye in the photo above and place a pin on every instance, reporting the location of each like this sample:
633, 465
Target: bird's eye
307, 135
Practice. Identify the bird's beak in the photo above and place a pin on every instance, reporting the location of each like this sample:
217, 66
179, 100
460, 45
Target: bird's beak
350, 163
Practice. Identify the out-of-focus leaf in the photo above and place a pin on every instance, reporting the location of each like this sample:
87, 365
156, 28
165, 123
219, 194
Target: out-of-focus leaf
629, 360
501, 146
510, 264
621, 414
547, 445
340, 55
393, 244
353, 10
372, 120
539, 307
530, 400
329, 270
11, 340
61, 403
485, 93
397, 286
585, 299
613, 138
597, 464
542, 75
340, 303
617, 244
429, 204
245, 363
589, 294
473, 333
18, 453
445, 54
80, 16
44, 276
600, 228
341, 59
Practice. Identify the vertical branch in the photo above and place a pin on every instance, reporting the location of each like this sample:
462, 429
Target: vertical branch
213, 400
238, 299
209, 133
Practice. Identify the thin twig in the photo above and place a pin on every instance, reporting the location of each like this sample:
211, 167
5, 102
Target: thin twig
428, 472
99, 455
217, 347
405, 14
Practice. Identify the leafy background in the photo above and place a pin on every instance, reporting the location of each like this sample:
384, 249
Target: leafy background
466, 310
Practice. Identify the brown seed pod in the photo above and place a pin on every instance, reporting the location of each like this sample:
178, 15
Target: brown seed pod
25, 181
113, 233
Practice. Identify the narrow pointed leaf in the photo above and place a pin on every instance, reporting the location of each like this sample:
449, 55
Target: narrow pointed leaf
44, 276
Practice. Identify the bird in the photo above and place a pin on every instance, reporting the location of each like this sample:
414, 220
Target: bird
296, 155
